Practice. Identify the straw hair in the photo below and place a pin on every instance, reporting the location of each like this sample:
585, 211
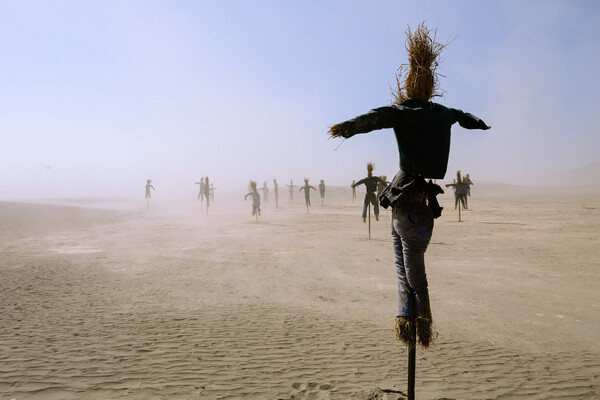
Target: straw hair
418, 80
370, 167
253, 186
458, 177
306, 181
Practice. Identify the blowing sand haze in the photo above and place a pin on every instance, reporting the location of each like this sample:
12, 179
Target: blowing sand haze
167, 304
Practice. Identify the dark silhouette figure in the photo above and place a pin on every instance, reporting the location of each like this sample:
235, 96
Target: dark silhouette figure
255, 199
201, 191
148, 187
148, 194
460, 191
370, 183
322, 190
306, 189
206, 191
291, 186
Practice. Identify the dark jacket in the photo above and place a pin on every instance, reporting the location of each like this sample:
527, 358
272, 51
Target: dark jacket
422, 132
370, 182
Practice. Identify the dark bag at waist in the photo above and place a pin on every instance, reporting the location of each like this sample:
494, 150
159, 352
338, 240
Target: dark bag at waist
406, 190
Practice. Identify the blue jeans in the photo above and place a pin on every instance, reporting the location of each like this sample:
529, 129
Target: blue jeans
370, 198
412, 227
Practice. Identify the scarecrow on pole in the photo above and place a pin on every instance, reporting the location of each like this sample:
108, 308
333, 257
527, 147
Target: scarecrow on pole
371, 183
422, 130
306, 189
148, 194
461, 189
291, 186
322, 190
255, 199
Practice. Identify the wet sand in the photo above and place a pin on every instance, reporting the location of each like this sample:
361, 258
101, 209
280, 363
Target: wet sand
172, 303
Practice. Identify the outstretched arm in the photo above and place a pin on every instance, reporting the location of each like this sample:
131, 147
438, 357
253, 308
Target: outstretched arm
359, 183
469, 121
378, 118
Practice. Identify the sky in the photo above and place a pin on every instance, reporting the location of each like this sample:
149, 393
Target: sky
98, 96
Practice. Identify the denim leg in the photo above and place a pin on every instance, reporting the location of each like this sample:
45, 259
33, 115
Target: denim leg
365, 205
411, 233
375, 205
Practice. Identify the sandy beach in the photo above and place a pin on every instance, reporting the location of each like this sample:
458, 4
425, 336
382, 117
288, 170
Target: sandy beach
172, 302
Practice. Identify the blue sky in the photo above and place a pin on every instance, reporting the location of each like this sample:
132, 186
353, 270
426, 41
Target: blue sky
98, 96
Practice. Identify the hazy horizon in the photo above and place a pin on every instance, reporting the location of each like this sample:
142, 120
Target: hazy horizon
100, 96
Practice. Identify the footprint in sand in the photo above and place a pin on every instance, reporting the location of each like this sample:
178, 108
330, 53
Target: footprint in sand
311, 390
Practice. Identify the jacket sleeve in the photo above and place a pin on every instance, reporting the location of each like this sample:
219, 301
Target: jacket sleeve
469, 121
378, 118
359, 182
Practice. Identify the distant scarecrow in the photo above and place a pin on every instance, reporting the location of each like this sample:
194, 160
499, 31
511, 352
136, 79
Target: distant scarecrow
461, 190
255, 199
422, 130
306, 189
371, 183
148, 187
265, 191
206, 190
291, 186
322, 190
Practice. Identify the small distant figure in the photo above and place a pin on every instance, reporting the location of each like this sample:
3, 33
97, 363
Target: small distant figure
255, 199
306, 188
148, 194
276, 191
467, 181
460, 191
206, 191
353, 190
212, 193
381, 185
291, 186
370, 183
201, 192
322, 190
265, 191
148, 187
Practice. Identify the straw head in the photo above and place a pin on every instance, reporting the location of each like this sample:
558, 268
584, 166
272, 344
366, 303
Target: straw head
418, 80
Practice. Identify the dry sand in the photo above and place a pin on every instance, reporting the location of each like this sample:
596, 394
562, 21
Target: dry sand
171, 303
